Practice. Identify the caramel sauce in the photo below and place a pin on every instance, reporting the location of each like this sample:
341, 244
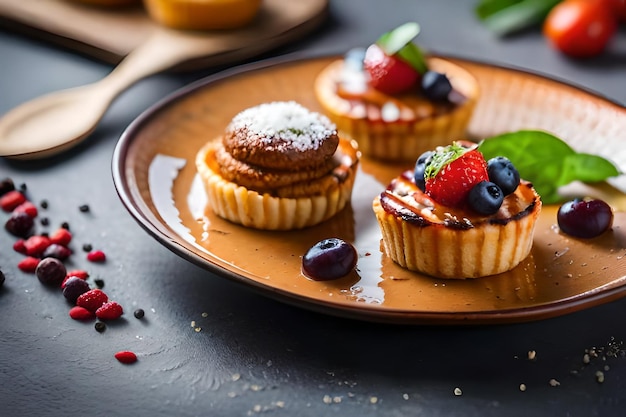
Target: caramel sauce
404, 199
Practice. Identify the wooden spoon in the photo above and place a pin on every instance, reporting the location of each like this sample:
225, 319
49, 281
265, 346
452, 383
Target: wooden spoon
54, 122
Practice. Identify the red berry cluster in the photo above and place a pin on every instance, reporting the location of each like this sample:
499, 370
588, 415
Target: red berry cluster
44, 255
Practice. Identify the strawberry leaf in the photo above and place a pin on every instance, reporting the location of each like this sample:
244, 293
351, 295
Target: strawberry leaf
399, 41
547, 161
442, 157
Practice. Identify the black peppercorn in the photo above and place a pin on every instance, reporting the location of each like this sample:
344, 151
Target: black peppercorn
100, 326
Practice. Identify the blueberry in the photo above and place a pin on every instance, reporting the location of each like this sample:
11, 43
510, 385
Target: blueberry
436, 86
585, 218
50, 271
2, 278
485, 198
503, 173
328, 259
420, 167
19, 224
74, 287
6, 185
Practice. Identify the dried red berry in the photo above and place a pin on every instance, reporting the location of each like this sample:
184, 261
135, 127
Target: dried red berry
126, 356
36, 245
80, 273
110, 311
11, 200
28, 208
28, 264
92, 299
61, 237
81, 313
19, 246
96, 256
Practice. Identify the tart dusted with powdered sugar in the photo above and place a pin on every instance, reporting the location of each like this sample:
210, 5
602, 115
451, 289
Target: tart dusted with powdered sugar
395, 102
278, 166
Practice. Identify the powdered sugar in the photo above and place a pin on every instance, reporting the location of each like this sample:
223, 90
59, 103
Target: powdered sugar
284, 121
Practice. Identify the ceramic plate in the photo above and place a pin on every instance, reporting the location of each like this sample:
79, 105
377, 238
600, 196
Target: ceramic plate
154, 173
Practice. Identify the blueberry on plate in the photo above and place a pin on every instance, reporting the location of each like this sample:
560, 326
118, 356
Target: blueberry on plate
328, 259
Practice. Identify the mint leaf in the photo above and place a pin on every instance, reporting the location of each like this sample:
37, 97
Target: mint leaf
412, 54
547, 161
486, 8
504, 17
392, 41
399, 42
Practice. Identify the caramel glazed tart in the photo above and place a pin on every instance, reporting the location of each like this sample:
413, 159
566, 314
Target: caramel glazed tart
278, 166
421, 235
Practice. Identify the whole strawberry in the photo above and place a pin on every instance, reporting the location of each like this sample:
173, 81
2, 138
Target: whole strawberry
452, 172
388, 74
394, 63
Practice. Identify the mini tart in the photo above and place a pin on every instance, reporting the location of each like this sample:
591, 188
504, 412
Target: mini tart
418, 125
203, 14
268, 196
421, 235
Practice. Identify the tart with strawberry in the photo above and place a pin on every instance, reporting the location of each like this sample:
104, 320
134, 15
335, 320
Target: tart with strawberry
458, 216
395, 102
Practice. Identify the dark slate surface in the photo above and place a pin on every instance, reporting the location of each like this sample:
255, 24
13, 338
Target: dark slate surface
250, 355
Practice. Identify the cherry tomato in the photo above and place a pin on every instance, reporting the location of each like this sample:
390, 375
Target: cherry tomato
580, 28
619, 8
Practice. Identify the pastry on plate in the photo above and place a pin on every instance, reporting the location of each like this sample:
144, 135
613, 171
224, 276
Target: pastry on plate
393, 100
457, 215
278, 166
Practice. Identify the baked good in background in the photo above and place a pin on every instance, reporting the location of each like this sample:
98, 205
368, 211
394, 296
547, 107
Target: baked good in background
203, 14
393, 100
457, 215
191, 14
109, 3
278, 166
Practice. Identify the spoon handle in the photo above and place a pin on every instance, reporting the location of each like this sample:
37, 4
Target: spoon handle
162, 50
54, 122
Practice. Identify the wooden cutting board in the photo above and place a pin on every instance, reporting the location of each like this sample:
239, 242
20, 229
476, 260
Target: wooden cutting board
110, 34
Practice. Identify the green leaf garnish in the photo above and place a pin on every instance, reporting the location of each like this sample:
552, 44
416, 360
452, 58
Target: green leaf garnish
399, 41
504, 17
392, 41
412, 54
547, 161
441, 158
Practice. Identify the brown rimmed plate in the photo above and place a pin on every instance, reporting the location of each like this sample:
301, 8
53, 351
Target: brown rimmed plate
155, 176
